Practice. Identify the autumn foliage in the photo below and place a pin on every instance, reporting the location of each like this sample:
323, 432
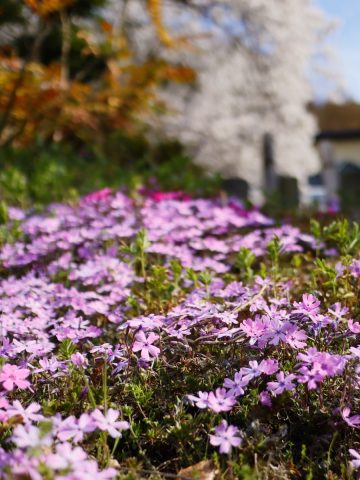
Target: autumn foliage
62, 77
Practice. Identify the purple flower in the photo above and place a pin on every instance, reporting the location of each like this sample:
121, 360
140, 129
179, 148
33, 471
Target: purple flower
276, 331
251, 372
236, 387
79, 360
354, 327
265, 399
310, 376
226, 437
51, 365
355, 268
29, 414
309, 356
219, 401
201, 401
355, 462
66, 457
353, 421
11, 376
144, 344
309, 305
74, 429
109, 422
30, 436
284, 382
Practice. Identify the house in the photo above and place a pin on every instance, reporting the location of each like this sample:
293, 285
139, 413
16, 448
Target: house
335, 180
338, 144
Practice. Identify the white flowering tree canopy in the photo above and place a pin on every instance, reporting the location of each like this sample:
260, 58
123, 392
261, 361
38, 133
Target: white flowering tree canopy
254, 60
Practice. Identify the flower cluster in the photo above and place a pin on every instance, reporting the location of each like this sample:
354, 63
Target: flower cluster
104, 327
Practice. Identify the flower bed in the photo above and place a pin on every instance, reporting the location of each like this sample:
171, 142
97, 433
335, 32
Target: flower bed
143, 337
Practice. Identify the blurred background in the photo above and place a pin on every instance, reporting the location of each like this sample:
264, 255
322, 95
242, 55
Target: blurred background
255, 98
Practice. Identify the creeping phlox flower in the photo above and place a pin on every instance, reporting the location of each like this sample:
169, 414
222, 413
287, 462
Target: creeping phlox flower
144, 344
28, 414
224, 399
353, 421
53, 445
316, 366
79, 360
109, 423
68, 299
354, 327
12, 376
218, 401
37, 448
355, 462
226, 437
283, 382
74, 429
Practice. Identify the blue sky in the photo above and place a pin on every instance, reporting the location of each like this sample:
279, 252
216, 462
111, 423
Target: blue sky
346, 40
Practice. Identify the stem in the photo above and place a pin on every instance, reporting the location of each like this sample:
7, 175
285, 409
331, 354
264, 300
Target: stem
90, 392
330, 449
105, 388
116, 443
247, 304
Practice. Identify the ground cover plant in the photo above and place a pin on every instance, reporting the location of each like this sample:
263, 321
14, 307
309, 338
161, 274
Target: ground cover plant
161, 336
40, 174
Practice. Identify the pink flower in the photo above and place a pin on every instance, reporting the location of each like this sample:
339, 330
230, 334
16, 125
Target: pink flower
354, 327
75, 429
295, 337
29, 414
79, 360
309, 305
109, 422
283, 383
310, 376
236, 386
4, 404
201, 401
97, 196
353, 421
226, 437
144, 344
269, 366
265, 399
66, 457
338, 311
355, 462
253, 328
30, 436
159, 196
252, 371
11, 376
218, 401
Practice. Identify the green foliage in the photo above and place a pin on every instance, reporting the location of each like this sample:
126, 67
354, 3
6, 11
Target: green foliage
344, 236
244, 262
46, 173
66, 349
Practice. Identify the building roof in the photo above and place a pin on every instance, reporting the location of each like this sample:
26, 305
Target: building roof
337, 121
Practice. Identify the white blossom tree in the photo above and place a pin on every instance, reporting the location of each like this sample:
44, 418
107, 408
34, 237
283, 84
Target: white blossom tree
254, 59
